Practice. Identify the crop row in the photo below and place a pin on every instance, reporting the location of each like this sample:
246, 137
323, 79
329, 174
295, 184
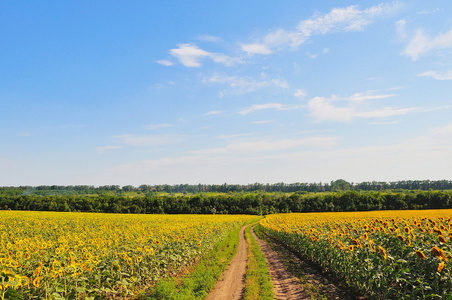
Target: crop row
81, 255
384, 254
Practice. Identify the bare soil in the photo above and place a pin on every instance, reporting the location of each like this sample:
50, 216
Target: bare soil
232, 282
308, 283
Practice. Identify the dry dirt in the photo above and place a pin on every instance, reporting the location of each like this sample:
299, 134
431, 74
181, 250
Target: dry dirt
286, 285
231, 284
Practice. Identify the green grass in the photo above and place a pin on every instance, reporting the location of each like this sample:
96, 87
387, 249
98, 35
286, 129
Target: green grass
258, 283
202, 278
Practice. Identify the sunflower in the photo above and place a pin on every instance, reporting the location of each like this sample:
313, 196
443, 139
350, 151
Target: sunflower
438, 252
440, 266
383, 252
421, 254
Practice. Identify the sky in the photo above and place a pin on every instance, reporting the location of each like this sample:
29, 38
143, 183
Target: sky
238, 92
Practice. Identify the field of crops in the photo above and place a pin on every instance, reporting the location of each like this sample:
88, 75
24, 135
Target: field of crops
46, 255
386, 254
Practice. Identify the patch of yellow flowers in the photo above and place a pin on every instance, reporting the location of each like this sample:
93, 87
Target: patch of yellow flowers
72, 255
382, 253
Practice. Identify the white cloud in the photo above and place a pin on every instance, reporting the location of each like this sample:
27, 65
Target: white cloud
345, 109
190, 56
240, 85
324, 110
165, 62
262, 122
427, 12
150, 140
104, 149
276, 106
280, 83
210, 38
386, 112
401, 29
436, 75
421, 44
369, 95
300, 94
443, 132
213, 112
338, 19
256, 49
424, 157
157, 126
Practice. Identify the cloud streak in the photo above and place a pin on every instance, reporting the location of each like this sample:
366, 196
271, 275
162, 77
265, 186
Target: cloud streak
421, 44
274, 106
436, 75
242, 85
345, 109
346, 19
191, 56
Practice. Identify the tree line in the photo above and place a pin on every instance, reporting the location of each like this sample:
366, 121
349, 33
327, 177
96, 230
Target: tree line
258, 203
333, 186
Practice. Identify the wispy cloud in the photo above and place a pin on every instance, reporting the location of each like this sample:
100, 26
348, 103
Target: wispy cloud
344, 109
241, 85
300, 94
422, 44
104, 149
150, 140
262, 122
436, 75
210, 38
426, 156
275, 106
213, 112
165, 62
191, 55
350, 18
157, 126
369, 95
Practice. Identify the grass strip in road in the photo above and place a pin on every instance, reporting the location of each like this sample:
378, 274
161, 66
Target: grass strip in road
258, 283
202, 278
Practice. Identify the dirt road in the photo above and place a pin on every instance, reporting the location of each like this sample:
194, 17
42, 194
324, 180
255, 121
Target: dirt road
287, 286
231, 284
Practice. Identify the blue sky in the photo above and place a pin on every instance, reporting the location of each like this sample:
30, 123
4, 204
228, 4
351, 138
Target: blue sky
167, 92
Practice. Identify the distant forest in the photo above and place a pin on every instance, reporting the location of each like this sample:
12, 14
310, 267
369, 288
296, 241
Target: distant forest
333, 186
259, 199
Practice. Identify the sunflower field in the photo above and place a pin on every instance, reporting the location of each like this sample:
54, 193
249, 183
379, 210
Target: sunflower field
383, 254
48, 255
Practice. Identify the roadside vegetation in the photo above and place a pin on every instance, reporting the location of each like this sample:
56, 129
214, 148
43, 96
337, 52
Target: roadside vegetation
258, 283
198, 281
